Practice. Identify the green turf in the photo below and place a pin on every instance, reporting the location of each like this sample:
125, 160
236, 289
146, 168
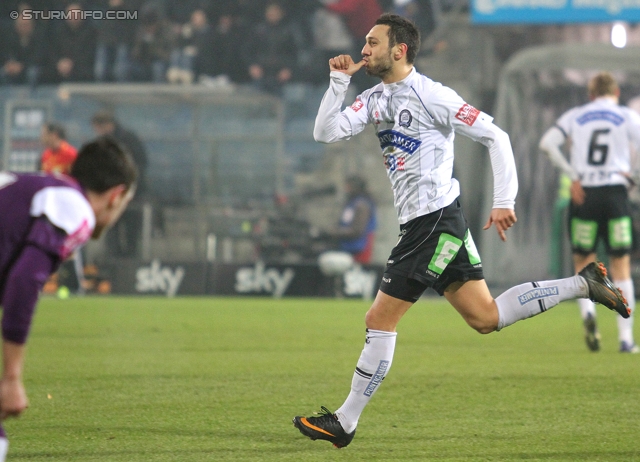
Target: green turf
210, 379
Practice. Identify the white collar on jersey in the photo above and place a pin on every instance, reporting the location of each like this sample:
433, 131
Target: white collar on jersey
395, 87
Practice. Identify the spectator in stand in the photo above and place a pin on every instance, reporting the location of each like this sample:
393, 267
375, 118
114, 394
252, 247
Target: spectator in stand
105, 123
114, 41
58, 155
22, 51
123, 240
272, 50
330, 38
355, 232
180, 12
359, 16
226, 33
58, 158
74, 48
153, 43
194, 39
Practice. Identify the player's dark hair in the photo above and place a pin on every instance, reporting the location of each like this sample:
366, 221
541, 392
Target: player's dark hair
102, 164
58, 129
401, 30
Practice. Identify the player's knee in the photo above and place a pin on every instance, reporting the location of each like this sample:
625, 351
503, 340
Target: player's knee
377, 321
483, 325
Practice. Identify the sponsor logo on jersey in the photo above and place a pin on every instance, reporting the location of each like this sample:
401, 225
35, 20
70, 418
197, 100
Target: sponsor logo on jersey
387, 280
393, 162
535, 294
467, 114
392, 138
75, 240
357, 105
405, 118
600, 115
377, 377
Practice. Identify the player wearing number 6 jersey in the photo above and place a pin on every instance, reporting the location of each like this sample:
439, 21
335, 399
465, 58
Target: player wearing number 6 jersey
416, 120
600, 133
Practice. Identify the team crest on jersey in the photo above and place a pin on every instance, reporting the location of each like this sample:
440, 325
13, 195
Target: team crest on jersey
357, 105
405, 118
467, 114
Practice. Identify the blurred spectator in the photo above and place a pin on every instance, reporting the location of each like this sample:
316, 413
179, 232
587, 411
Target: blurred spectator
123, 240
194, 37
74, 48
180, 12
330, 38
425, 14
224, 38
360, 16
58, 155
22, 51
114, 42
356, 230
272, 50
153, 43
105, 123
58, 158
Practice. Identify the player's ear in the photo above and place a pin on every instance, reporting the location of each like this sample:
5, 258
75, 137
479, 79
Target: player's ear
116, 195
400, 51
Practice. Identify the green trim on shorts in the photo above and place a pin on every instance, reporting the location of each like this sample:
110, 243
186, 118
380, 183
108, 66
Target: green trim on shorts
620, 233
583, 233
446, 251
472, 250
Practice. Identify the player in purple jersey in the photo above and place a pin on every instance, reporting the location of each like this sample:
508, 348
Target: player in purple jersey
44, 219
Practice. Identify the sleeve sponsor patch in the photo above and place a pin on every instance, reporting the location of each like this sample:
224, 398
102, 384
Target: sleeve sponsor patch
357, 105
75, 240
467, 114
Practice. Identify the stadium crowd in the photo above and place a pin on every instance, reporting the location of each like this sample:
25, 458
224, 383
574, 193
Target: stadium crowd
264, 43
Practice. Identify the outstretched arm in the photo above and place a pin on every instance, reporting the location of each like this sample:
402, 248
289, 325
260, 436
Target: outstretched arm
13, 397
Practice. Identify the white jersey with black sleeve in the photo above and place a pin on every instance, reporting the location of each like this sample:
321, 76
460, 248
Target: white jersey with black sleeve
416, 120
601, 133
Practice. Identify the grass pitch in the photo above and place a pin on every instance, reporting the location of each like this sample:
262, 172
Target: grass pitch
214, 379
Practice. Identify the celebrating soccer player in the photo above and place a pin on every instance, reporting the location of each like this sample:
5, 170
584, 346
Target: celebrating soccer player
416, 120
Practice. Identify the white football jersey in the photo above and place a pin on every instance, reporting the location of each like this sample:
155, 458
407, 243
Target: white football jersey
416, 120
601, 132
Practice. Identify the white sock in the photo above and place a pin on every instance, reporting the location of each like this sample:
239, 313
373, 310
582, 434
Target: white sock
587, 307
373, 365
625, 326
4, 447
532, 298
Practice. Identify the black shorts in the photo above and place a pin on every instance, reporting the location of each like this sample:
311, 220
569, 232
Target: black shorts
605, 214
434, 250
